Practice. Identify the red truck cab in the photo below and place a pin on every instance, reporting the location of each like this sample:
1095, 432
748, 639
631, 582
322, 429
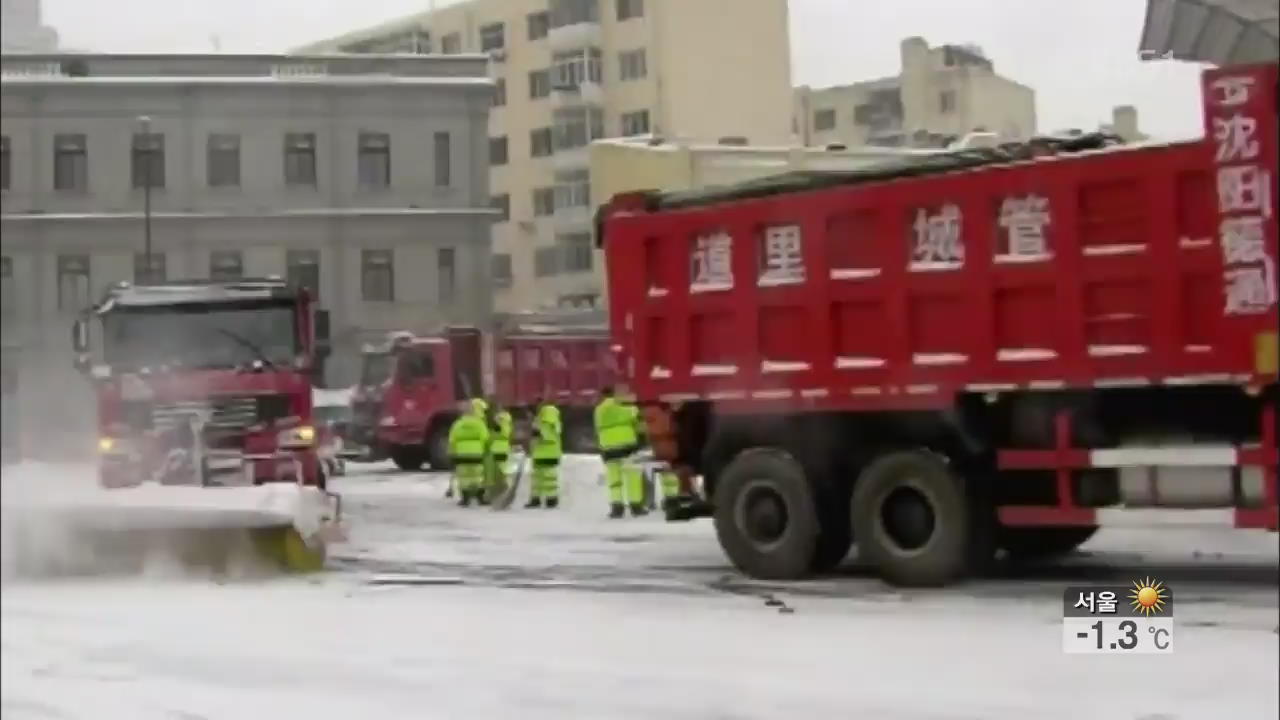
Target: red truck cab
204, 382
978, 354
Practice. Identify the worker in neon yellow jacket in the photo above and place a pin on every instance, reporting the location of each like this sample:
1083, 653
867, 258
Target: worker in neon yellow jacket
546, 449
618, 427
500, 428
469, 450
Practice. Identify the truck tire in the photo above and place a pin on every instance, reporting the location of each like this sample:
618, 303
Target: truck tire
911, 519
1042, 543
408, 457
579, 437
765, 516
438, 450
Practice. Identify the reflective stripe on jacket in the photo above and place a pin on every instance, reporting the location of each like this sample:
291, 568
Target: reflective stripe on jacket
546, 434
616, 424
500, 441
468, 438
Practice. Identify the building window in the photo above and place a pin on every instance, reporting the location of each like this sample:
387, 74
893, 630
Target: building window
575, 127
635, 123
824, 119
451, 44
226, 265
500, 270
377, 276
628, 9
539, 84
539, 23
544, 201
73, 282
501, 203
446, 274
442, 149
223, 160
6, 163
573, 190
70, 162
498, 150
633, 64
8, 292
374, 160
572, 12
541, 142
546, 261
571, 69
302, 270
148, 160
947, 101
300, 159
149, 270
492, 37
500, 92
578, 255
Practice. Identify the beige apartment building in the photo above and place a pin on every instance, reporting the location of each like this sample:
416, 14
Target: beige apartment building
941, 93
570, 72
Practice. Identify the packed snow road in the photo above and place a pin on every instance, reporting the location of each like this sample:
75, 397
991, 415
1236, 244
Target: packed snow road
564, 613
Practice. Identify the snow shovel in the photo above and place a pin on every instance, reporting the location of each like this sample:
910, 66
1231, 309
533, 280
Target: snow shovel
504, 498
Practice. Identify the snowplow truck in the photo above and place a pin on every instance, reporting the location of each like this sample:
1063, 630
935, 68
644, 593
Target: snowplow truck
204, 406
410, 386
970, 357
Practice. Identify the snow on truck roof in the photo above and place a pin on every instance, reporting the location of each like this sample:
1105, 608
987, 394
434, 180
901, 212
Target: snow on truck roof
195, 291
933, 163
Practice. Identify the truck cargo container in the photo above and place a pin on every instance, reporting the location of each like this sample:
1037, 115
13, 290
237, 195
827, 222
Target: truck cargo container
976, 354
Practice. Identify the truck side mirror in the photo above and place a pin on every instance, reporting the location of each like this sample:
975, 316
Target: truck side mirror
322, 333
80, 336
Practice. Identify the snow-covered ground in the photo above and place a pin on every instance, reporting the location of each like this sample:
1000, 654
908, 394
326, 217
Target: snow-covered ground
566, 614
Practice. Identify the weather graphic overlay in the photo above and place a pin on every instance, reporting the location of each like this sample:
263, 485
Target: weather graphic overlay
1118, 619
1148, 597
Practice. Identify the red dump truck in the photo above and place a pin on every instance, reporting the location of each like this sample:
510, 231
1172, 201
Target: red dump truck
410, 386
981, 352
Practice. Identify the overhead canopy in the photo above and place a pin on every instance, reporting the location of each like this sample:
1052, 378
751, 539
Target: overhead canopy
1219, 32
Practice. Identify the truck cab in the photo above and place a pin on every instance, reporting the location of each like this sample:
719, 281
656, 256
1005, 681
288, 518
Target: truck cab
204, 383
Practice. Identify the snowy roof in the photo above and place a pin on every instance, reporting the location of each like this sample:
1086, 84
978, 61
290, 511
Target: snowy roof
1220, 32
275, 81
195, 291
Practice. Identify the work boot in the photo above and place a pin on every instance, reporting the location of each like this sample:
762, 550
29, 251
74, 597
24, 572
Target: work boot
638, 510
534, 502
617, 510
482, 498
552, 503
465, 500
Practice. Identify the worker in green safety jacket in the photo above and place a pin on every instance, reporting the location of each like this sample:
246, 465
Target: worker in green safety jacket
469, 450
500, 428
546, 449
618, 432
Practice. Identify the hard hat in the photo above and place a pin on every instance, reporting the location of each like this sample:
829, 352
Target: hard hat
479, 406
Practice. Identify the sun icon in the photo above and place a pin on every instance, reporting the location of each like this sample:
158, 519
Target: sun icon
1148, 596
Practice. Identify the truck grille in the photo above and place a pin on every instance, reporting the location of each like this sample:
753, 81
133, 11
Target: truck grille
230, 412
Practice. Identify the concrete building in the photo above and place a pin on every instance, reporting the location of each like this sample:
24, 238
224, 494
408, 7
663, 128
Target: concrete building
942, 93
364, 178
573, 71
22, 29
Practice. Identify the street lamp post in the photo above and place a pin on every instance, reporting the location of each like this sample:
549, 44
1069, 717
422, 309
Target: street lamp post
144, 124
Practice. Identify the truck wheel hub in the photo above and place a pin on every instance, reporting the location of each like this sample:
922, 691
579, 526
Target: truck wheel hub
908, 518
763, 515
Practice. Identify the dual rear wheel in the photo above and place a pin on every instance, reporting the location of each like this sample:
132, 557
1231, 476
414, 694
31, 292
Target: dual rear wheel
915, 520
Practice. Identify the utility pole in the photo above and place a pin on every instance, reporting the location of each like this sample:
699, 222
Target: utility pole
144, 125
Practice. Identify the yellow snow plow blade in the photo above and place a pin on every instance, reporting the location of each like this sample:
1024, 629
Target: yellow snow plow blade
154, 528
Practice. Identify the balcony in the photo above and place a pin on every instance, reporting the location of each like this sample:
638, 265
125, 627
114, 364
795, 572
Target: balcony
580, 34
574, 219
578, 158
583, 94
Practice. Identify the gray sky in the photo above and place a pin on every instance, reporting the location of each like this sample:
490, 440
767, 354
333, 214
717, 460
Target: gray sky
1079, 55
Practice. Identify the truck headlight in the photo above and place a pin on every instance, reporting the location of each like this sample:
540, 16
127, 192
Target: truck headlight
114, 446
387, 421
302, 436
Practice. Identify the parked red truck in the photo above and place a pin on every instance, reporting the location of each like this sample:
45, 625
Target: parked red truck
409, 389
985, 350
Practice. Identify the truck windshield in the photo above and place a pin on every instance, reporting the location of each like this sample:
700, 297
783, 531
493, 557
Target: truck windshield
376, 370
200, 336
